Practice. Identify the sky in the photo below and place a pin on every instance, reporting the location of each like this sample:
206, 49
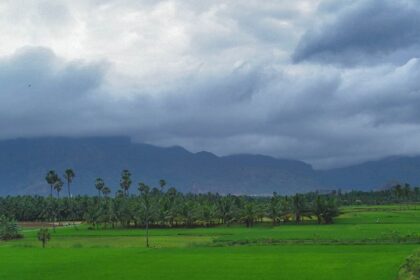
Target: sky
332, 83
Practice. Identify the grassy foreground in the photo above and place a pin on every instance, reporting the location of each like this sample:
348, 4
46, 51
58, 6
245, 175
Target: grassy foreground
365, 243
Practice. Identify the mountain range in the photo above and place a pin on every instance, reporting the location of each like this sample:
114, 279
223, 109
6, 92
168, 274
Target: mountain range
24, 163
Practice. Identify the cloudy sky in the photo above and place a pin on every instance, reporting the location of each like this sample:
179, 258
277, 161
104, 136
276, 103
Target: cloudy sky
328, 82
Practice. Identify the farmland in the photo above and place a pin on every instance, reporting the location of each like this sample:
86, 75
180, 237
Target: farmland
366, 242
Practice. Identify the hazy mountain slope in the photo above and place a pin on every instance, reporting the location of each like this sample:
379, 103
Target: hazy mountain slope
373, 174
24, 162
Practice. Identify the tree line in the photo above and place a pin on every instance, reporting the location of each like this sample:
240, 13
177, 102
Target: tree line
140, 205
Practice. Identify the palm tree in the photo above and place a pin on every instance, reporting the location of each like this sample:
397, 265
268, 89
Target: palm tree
226, 209
249, 214
106, 191
58, 186
51, 178
125, 181
298, 207
398, 191
162, 184
208, 213
407, 190
319, 208
273, 208
99, 185
416, 192
330, 210
44, 236
69, 176
145, 200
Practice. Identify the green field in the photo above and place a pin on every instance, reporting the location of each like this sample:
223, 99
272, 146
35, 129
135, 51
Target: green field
364, 243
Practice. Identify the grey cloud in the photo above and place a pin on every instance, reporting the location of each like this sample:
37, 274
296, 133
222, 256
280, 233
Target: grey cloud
231, 93
42, 94
325, 116
365, 31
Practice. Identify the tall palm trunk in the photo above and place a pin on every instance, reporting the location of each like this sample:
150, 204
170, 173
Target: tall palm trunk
147, 233
68, 189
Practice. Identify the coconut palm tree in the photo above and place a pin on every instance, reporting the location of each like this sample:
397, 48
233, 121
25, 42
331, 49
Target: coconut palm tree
146, 207
69, 176
319, 208
58, 186
273, 210
125, 181
298, 205
99, 185
51, 178
106, 191
226, 209
162, 184
249, 214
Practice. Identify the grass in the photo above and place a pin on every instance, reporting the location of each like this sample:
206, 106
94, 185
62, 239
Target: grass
247, 262
365, 243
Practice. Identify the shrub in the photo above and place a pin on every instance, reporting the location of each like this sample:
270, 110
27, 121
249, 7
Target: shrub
9, 229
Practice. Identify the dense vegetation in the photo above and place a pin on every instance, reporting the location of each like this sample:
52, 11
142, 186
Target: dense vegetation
160, 207
166, 207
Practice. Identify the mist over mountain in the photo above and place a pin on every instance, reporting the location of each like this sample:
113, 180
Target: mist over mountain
24, 163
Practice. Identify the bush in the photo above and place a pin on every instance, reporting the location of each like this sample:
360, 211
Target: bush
9, 229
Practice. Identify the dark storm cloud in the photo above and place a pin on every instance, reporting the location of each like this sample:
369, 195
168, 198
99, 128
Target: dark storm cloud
42, 94
213, 79
322, 115
364, 31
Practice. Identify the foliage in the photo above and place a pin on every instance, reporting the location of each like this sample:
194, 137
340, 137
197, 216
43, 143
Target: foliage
410, 270
9, 229
166, 207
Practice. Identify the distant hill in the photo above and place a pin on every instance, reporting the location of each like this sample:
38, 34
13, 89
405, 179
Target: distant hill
373, 174
24, 163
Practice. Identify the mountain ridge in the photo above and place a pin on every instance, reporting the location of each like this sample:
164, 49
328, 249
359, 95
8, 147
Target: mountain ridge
25, 161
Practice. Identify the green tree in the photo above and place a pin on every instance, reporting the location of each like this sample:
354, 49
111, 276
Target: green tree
226, 209
106, 191
249, 214
330, 210
9, 229
69, 176
398, 190
125, 181
51, 178
44, 236
299, 207
273, 210
319, 208
58, 186
162, 184
146, 204
99, 185
406, 191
